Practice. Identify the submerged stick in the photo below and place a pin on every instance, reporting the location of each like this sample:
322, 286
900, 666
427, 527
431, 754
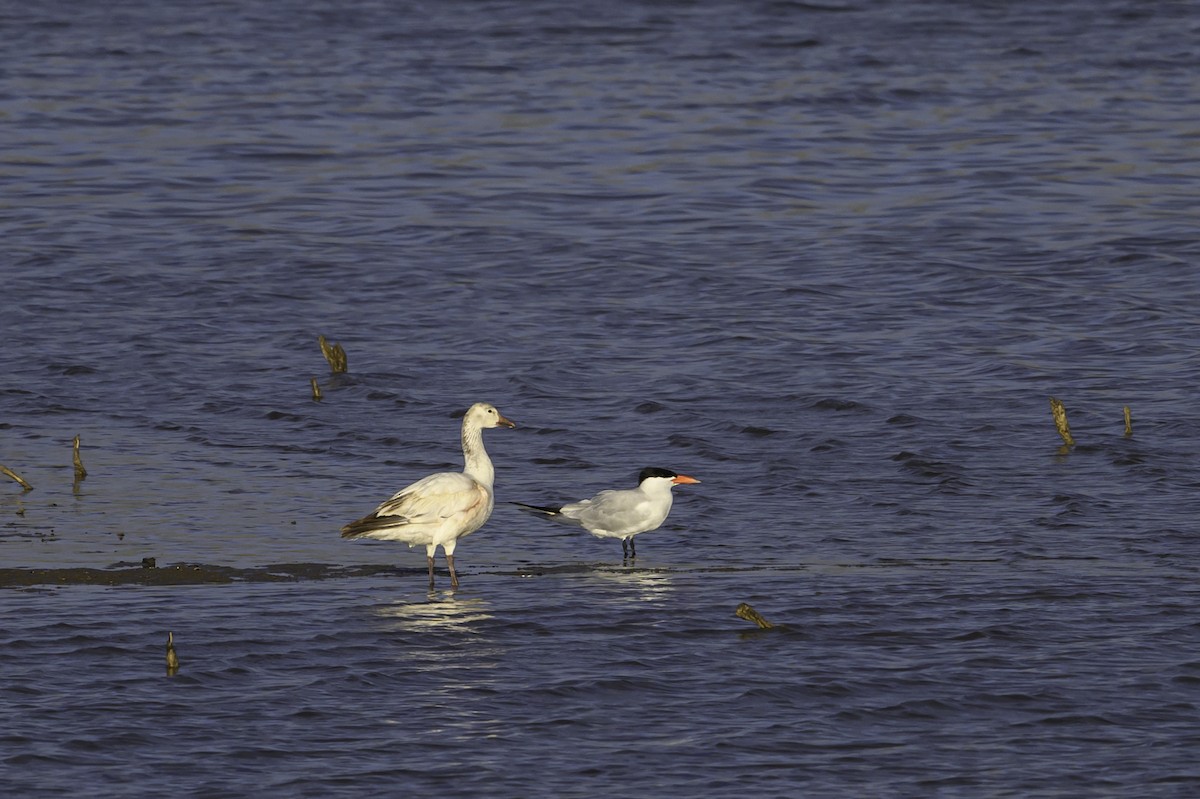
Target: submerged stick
80, 472
10, 473
334, 354
748, 613
1128, 422
172, 658
1060, 421
315, 389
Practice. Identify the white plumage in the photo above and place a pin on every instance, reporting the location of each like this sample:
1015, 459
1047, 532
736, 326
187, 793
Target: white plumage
440, 509
622, 513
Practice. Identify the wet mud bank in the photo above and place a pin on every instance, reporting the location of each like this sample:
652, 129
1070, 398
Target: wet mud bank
189, 574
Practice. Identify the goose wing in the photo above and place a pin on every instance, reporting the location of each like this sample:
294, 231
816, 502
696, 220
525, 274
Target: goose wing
430, 500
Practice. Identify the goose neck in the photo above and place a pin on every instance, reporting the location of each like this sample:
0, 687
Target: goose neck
477, 463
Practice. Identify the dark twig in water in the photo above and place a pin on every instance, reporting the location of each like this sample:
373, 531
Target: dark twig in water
10, 473
334, 354
80, 472
1060, 421
748, 613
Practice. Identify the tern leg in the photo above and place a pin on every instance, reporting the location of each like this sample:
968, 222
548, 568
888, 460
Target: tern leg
453, 574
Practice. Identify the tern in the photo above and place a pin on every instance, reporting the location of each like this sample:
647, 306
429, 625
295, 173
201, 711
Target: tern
440, 509
621, 513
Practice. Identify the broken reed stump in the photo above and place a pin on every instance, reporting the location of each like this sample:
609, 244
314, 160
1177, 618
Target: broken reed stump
748, 613
1064, 430
316, 390
80, 472
21, 480
172, 658
334, 354
1060, 421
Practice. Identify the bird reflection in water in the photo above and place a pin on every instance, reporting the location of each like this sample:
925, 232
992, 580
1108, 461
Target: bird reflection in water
641, 584
444, 613
443, 646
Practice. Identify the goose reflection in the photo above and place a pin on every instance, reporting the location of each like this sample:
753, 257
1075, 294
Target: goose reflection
440, 614
442, 644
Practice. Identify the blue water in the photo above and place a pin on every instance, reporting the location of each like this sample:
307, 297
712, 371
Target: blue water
832, 259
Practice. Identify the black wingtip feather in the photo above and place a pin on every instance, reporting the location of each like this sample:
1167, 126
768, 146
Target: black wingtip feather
544, 510
369, 524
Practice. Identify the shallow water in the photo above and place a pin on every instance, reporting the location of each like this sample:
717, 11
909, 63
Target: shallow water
831, 259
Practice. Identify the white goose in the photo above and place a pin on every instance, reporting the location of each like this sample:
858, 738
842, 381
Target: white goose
621, 514
440, 509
